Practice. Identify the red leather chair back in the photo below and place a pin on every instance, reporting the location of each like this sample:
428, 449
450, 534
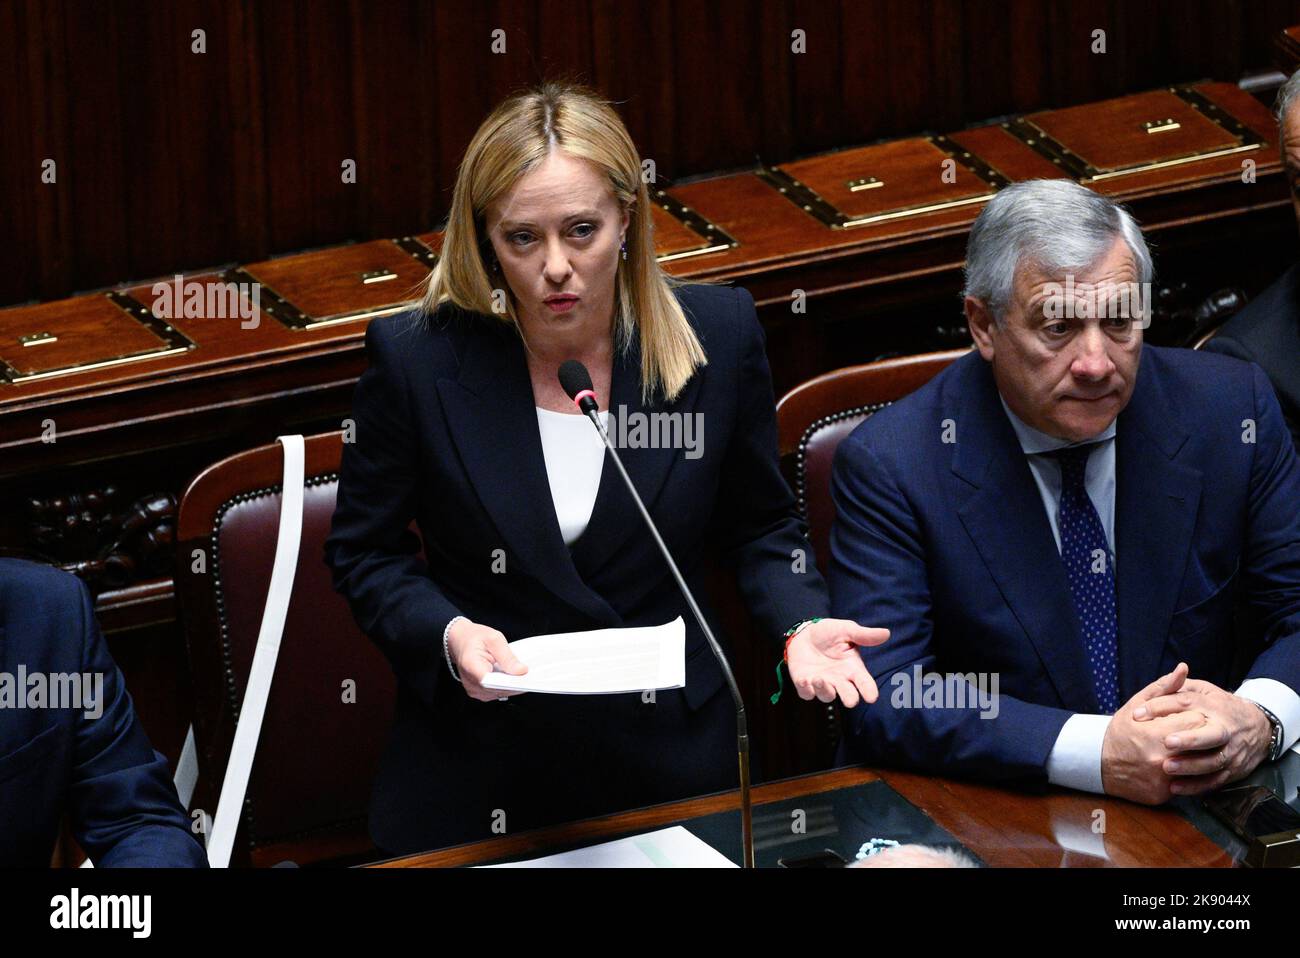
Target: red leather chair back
331, 701
815, 416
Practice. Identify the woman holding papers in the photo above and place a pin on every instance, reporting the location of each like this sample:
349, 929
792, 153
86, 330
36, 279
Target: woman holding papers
462, 427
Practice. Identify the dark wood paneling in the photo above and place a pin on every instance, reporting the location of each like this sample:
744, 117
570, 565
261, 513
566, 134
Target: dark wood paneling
170, 160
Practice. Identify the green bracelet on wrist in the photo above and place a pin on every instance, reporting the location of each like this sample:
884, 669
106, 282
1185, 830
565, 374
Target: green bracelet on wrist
790, 633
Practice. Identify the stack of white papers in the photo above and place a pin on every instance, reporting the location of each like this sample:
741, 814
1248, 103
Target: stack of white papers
601, 661
667, 848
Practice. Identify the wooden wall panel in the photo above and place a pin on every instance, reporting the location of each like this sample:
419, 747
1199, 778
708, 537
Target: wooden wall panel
170, 160
643, 85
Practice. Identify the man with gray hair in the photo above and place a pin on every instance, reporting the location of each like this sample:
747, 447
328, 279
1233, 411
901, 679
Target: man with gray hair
1073, 515
1267, 331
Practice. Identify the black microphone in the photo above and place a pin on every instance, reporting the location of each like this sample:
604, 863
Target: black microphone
576, 382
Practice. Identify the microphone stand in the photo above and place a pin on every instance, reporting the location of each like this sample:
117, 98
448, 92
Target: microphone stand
742, 725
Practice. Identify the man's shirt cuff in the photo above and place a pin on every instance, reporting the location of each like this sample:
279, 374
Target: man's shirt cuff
1075, 760
1279, 699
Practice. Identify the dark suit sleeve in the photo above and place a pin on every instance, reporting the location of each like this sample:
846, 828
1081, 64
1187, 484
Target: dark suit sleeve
371, 548
878, 577
1229, 346
1272, 549
762, 535
122, 804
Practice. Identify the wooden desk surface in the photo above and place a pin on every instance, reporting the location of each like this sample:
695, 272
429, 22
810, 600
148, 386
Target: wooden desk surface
1005, 828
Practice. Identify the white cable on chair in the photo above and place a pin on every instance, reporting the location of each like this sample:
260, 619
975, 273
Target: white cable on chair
221, 841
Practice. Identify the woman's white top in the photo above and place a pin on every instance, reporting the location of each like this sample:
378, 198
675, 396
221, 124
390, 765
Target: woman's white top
575, 456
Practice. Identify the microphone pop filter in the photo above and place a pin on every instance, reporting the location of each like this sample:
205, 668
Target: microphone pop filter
574, 379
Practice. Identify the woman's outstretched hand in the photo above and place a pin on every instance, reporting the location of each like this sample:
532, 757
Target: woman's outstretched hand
823, 661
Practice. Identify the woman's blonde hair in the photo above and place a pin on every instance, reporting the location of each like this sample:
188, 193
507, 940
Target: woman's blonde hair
516, 139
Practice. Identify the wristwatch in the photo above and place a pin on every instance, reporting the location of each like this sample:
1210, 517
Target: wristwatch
1275, 743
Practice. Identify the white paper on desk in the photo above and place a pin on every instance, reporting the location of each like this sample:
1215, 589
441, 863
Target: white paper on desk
667, 848
600, 661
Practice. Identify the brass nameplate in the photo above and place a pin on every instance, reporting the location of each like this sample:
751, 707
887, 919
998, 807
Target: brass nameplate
1162, 126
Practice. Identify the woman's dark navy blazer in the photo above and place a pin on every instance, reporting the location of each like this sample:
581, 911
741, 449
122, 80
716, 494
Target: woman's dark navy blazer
446, 435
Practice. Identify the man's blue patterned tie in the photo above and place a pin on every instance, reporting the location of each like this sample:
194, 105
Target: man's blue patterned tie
1090, 566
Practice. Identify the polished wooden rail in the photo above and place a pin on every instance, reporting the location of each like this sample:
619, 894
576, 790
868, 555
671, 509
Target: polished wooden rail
1004, 827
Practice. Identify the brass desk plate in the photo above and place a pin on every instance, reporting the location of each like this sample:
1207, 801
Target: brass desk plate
361, 272
1200, 120
979, 181
148, 337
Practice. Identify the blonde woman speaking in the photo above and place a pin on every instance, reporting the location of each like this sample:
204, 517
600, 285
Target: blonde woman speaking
462, 428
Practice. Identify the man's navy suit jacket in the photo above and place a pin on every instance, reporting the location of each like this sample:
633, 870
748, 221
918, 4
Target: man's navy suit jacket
941, 536
102, 771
